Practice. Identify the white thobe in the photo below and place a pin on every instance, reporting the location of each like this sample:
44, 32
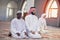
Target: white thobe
32, 25
18, 26
43, 25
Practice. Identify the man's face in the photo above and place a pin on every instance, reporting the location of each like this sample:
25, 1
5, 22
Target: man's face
33, 10
44, 16
19, 15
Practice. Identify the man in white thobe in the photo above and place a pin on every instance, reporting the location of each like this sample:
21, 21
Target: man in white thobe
42, 24
18, 29
32, 24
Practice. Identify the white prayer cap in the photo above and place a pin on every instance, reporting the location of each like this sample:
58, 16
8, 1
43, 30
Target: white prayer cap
43, 15
19, 11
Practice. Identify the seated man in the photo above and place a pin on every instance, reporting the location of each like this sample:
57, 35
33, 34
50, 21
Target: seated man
42, 24
32, 24
18, 29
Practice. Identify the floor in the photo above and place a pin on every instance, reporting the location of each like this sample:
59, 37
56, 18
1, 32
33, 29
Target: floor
53, 33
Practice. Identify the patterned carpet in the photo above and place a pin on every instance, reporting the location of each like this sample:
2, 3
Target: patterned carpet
53, 33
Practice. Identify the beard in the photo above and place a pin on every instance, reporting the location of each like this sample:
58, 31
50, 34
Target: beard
32, 13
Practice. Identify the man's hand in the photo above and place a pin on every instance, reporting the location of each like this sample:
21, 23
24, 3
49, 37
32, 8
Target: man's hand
39, 32
18, 34
9, 34
26, 34
32, 32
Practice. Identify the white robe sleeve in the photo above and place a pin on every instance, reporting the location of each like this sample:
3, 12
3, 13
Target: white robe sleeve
24, 26
27, 23
40, 24
13, 27
45, 24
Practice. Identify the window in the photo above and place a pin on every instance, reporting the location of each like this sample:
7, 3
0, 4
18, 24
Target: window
11, 9
52, 9
9, 12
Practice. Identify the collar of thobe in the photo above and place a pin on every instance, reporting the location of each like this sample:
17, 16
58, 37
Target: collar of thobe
30, 14
20, 18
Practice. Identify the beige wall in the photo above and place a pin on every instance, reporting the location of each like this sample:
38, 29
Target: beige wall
39, 4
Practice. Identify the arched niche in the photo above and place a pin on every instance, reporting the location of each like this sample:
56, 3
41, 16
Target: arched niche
11, 10
51, 10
